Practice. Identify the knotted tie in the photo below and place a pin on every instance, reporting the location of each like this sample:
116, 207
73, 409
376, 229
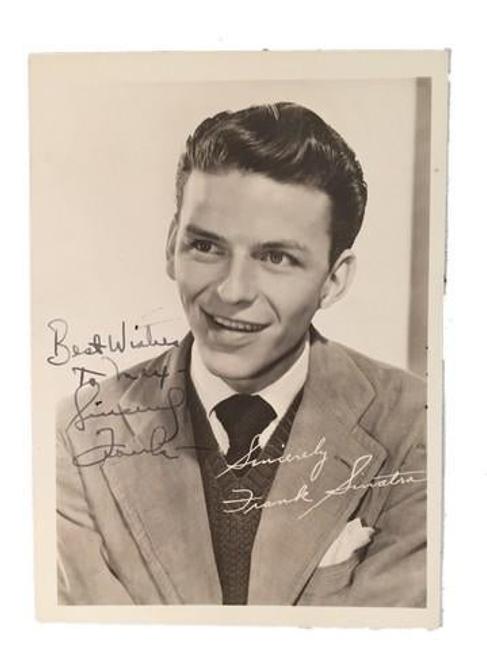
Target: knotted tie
243, 417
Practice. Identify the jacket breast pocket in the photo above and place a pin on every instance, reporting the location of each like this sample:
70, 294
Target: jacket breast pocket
326, 583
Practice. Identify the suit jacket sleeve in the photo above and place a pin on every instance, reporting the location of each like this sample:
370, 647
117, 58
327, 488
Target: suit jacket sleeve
393, 570
84, 575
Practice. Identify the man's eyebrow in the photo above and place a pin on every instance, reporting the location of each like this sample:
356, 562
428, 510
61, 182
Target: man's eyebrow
284, 243
200, 232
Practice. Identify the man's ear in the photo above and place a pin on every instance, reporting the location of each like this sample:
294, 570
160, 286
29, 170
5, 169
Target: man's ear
171, 248
339, 279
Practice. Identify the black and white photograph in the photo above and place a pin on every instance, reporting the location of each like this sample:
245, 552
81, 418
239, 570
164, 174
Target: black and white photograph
238, 264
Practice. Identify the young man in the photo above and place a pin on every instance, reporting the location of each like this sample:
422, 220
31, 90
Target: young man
257, 462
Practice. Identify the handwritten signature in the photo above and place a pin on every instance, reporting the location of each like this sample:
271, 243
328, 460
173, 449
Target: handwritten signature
98, 454
84, 399
63, 351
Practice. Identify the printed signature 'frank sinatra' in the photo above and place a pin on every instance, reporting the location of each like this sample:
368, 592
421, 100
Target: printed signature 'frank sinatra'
246, 501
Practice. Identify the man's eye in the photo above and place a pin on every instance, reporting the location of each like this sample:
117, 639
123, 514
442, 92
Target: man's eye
277, 258
203, 246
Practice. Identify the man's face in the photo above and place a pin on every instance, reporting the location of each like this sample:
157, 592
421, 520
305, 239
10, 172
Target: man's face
250, 256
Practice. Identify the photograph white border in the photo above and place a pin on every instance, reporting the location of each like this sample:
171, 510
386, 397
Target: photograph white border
224, 66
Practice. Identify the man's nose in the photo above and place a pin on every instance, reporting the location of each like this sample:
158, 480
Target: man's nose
238, 284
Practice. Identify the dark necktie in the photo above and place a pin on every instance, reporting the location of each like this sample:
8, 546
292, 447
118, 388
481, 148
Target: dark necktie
243, 417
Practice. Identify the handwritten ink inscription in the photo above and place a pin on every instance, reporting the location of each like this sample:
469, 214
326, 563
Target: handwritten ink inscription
109, 448
87, 408
63, 351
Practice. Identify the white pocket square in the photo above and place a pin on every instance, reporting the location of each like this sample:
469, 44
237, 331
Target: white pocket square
351, 538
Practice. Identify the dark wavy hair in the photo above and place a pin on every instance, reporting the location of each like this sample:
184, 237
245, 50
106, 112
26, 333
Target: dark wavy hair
288, 143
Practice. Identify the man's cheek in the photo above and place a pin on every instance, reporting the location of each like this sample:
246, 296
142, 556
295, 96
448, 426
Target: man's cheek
196, 277
190, 282
187, 295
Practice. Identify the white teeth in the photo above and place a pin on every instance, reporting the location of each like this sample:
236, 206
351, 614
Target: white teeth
238, 326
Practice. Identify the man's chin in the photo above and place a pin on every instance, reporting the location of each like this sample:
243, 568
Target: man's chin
229, 369
239, 373
247, 370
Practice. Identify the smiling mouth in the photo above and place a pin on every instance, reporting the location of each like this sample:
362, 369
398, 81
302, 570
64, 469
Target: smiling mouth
234, 325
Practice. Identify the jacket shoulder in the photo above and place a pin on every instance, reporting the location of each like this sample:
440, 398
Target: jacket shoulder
397, 413
385, 378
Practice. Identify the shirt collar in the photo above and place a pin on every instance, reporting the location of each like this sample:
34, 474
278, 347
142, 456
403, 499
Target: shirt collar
212, 390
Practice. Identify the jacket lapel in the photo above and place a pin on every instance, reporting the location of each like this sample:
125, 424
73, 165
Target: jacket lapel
294, 534
159, 489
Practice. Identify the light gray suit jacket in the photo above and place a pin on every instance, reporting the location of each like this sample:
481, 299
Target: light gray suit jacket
132, 519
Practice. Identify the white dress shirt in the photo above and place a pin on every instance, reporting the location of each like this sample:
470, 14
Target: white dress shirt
280, 394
